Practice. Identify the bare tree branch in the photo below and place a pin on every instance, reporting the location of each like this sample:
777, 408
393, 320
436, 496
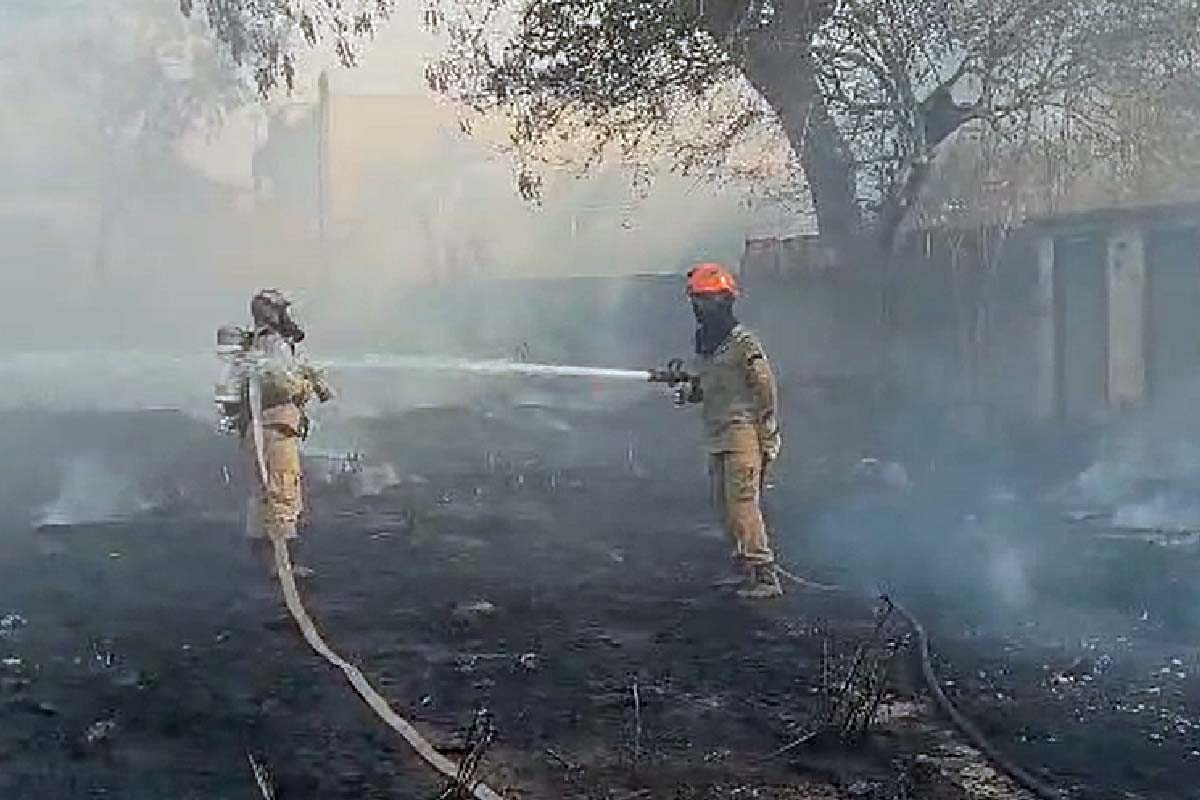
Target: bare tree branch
866, 94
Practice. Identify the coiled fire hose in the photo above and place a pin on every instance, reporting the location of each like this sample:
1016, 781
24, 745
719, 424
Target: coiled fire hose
422, 747
978, 740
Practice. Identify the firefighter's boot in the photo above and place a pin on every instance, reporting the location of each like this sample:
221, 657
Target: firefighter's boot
738, 576
763, 585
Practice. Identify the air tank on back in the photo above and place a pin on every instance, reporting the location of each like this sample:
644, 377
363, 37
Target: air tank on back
233, 344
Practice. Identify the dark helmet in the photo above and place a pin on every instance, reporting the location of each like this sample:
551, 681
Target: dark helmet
267, 305
270, 308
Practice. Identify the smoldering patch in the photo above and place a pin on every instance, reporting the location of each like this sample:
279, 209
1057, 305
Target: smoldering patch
92, 491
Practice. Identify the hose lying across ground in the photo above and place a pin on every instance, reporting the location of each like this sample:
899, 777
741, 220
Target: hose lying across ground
480, 791
967, 728
450, 770
1025, 779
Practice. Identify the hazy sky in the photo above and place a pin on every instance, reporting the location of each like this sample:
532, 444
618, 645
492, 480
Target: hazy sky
392, 64
96, 230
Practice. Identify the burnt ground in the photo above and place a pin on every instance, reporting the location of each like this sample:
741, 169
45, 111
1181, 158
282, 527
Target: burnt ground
543, 564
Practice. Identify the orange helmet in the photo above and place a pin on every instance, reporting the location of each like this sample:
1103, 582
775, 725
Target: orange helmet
711, 279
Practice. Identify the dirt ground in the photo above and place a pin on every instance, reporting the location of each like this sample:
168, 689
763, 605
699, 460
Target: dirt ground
550, 566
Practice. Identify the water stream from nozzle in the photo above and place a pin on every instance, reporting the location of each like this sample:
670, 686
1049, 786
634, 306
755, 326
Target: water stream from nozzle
132, 379
137, 363
493, 367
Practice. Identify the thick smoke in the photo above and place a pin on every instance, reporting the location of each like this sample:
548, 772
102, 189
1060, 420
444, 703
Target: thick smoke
119, 261
148, 196
1147, 469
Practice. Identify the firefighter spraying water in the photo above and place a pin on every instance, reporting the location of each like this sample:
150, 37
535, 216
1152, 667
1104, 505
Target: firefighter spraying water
267, 382
736, 386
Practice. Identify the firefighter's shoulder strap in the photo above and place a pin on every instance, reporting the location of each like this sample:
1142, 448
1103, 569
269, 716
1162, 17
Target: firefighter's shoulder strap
255, 413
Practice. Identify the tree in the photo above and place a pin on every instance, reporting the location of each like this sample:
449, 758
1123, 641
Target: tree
263, 35
866, 93
140, 79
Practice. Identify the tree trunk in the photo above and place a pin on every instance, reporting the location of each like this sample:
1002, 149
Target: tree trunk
778, 64
788, 84
965, 318
782, 72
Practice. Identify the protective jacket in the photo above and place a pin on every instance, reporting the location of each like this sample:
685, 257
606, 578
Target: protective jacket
737, 388
289, 382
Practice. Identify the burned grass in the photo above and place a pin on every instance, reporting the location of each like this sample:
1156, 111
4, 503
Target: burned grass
564, 589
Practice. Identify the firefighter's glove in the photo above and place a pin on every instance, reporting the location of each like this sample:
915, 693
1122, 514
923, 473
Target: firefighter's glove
321, 388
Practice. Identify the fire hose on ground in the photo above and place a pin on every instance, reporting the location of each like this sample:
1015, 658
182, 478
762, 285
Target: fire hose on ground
968, 729
480, 791
419, 744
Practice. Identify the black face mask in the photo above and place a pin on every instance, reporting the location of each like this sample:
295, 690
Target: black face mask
281, 322
289, 330
714, 323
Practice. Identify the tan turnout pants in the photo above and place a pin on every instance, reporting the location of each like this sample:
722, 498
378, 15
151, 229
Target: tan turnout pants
736, 478
274, 511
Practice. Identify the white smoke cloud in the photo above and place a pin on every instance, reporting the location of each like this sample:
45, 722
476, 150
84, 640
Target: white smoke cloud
1148, 470
1009, 577
1162, 512
107, 381
91, 491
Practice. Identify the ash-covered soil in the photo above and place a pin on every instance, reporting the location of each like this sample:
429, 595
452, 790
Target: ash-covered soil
549, 566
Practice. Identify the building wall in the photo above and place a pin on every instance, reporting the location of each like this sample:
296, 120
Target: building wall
1126, 278
1074, 318
1148, 269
